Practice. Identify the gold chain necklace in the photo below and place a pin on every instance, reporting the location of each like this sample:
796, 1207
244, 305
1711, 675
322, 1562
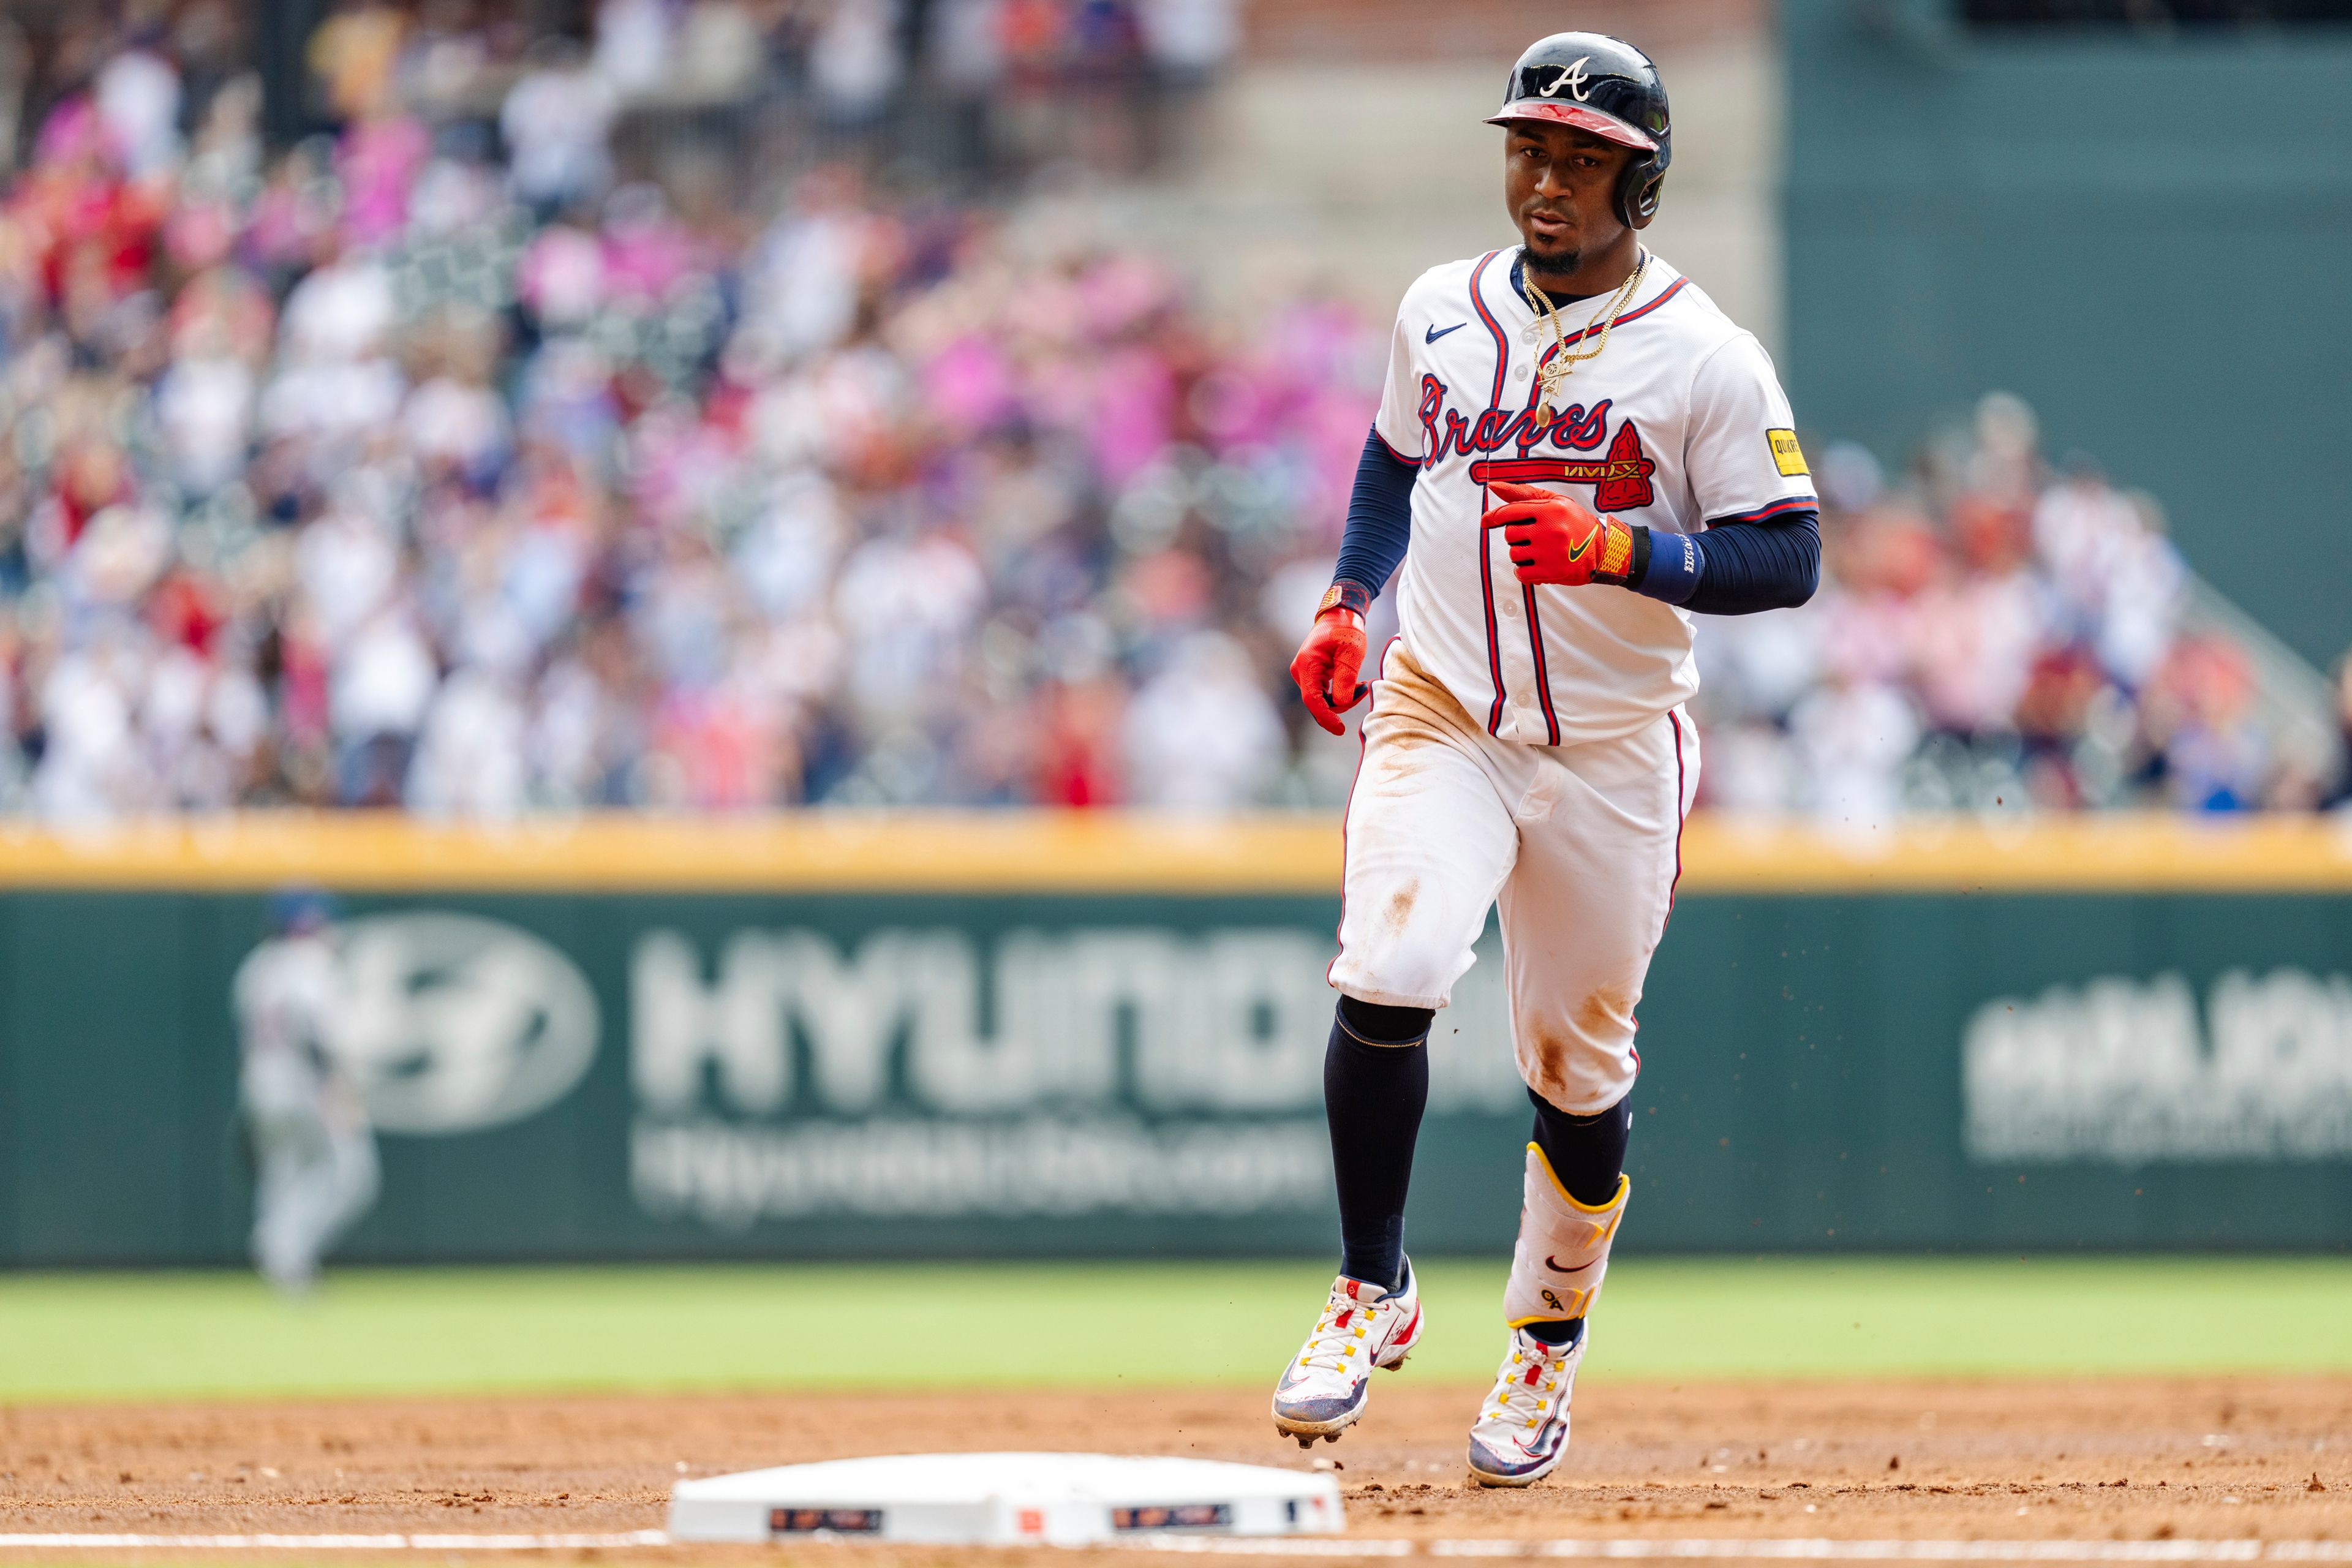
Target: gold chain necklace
1562, 364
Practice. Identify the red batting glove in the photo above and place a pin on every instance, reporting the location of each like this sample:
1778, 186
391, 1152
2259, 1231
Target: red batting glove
1558, 539
1328, 664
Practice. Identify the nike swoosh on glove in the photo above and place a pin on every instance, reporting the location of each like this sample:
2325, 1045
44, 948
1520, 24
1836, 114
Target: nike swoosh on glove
1327, 665
1558, 539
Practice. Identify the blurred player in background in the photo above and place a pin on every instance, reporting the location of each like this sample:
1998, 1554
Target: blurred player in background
314, 1154
1575, 450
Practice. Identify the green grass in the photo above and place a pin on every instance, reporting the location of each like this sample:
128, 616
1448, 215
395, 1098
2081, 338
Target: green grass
145, 1336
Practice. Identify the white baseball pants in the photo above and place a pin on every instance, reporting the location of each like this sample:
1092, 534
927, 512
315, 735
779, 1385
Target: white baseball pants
1578, 845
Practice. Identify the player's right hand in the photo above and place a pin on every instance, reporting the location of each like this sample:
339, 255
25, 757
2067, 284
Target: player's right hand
1558, 539
1328, 664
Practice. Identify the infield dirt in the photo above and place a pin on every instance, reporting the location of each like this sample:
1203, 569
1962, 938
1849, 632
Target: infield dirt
2113, 1459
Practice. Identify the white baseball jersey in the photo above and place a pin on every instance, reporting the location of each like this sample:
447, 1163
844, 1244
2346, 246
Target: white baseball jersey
1680, 423
316, 1161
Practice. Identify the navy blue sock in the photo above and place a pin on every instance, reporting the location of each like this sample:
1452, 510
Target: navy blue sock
1373, 1095
1588, 1155
1587, 1152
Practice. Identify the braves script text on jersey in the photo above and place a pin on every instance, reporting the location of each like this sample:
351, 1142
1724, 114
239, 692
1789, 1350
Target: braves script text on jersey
1671, 427
1526, 745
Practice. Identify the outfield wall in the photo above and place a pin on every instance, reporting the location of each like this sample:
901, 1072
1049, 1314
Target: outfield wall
1967, 210
839, 1036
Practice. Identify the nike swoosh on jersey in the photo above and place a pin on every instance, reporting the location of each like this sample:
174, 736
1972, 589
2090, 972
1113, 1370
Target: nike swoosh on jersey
1434, 332
1555, 1265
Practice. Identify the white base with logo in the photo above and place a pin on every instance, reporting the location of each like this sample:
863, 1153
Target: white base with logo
1055, 1499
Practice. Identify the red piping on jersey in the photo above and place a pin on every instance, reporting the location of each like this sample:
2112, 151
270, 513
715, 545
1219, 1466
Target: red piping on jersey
1380, 669
1543, 671
1764, 513
1681, 816
1486, 544
1502, 340
1581, 333
1494, 649
1555, 471
1400, 457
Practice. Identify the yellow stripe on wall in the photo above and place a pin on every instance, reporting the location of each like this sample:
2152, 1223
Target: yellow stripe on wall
1112, 852
2114, 852
800, 852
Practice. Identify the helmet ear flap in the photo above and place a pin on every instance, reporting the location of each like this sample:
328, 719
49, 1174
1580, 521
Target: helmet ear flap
1637, 191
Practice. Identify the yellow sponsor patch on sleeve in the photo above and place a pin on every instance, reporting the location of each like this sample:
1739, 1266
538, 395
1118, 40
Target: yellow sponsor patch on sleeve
1787, 456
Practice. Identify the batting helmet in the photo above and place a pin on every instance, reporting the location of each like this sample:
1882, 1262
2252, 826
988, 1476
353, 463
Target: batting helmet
1607, 88
300, 908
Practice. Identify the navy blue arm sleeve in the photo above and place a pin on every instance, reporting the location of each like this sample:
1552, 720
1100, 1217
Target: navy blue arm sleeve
1737, 568
1379, 520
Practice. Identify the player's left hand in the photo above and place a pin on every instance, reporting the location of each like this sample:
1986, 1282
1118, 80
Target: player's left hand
1555, 538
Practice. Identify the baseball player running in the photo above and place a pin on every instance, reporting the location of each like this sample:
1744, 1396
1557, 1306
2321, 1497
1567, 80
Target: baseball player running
1575, 452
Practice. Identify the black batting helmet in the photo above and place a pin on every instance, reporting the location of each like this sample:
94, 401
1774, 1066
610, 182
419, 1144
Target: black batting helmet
1607, 88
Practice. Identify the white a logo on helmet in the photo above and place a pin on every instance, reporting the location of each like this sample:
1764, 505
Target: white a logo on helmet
453, 1023
1571, 77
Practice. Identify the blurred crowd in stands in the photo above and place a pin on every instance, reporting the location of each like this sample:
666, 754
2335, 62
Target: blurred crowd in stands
442, 461
386, 470
1991, 635
972, 89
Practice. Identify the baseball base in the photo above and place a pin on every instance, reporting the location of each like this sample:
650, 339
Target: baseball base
1056, 1500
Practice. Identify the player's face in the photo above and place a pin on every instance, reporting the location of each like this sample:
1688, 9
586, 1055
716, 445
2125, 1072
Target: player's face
1561, 185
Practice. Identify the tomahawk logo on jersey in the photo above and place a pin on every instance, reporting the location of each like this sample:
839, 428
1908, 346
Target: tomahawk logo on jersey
1680, 424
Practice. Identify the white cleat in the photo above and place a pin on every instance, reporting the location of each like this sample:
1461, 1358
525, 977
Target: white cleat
1522, 1433
1325, 1390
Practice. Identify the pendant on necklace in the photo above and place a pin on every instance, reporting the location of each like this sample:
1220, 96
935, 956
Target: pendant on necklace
1543, 415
